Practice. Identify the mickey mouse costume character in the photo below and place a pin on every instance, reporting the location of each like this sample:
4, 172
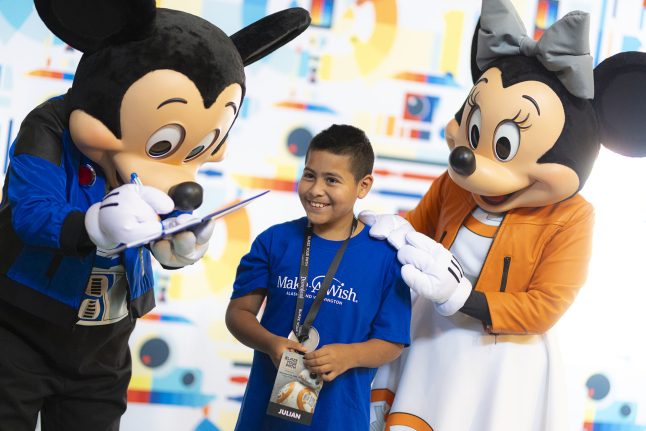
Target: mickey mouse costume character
154, 95
499, 246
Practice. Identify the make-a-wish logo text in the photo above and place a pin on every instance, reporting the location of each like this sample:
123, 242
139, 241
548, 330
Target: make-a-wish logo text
336, 293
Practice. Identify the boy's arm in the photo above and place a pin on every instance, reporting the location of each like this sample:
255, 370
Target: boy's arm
333, 360
242, 322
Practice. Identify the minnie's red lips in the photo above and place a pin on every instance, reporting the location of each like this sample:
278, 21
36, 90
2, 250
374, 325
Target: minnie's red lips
496, 200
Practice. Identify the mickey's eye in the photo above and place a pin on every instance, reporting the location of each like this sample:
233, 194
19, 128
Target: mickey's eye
506, 141
165, 140
204, 143
473, 132
217, 147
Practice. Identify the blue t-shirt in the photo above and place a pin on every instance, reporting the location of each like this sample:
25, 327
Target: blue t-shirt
366, 299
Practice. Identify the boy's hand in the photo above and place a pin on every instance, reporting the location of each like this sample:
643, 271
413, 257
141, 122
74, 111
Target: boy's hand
330, 361
278, 347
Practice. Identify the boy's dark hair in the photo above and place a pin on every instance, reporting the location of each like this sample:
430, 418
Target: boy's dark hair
342, 139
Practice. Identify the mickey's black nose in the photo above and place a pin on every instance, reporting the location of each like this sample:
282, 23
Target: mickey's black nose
463, 161
187, 196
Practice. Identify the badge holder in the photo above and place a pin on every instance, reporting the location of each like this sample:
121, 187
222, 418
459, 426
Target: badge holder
312, 341
296, 389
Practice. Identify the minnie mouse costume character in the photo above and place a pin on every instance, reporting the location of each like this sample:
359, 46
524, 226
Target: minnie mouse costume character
154, 97
511, 235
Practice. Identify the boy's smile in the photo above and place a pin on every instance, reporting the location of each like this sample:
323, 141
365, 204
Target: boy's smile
328, 191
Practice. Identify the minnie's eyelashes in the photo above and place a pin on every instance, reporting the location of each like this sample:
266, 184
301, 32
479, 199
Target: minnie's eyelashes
520, 123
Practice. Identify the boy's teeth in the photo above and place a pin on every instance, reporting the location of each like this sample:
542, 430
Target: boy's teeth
317, 204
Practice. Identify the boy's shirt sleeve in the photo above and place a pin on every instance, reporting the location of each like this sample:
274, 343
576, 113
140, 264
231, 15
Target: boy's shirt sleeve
392, 322
253, 270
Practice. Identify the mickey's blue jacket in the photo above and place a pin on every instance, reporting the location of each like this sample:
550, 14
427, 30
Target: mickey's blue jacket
46, 256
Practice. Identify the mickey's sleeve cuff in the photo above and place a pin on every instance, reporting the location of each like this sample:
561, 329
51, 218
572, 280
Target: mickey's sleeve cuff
74, 239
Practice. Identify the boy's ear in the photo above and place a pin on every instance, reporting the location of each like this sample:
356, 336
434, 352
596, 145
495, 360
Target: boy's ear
90, 25
451, 132
270, 33
365, 184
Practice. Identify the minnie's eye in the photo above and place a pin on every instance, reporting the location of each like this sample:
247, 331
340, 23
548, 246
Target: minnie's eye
506, 141
473, 131
165, 140
204, 143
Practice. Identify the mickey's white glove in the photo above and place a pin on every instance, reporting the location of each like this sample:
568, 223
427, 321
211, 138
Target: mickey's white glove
128, 213
184, 248
387, 226
433, 272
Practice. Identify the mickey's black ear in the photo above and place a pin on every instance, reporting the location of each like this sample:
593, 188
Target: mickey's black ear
88, 25
620, 102
475, 71
270, 33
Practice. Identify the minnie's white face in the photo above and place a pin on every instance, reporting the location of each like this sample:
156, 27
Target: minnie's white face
167, 133
508, 130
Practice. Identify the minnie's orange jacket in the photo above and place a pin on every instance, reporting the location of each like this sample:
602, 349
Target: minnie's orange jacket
536, 264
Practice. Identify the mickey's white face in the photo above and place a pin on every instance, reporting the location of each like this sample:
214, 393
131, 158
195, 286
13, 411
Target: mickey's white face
166, 132
508, 130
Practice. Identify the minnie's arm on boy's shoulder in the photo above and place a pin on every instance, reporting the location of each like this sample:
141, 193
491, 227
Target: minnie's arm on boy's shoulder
332, 360
242, 321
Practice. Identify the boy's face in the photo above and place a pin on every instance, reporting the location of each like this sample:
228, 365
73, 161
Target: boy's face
328, 190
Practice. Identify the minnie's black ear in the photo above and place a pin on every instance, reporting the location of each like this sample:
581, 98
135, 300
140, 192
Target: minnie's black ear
475, 71
620, 102
270, 33
88, 25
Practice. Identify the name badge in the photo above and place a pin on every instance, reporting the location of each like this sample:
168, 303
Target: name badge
295, 390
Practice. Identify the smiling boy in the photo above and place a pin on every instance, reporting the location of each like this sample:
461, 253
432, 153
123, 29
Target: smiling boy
364, 319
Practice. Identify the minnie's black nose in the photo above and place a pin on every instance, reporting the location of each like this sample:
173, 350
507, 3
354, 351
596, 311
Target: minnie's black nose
463, 161
187, 196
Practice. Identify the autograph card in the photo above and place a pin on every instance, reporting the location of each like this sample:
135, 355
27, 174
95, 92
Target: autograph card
181, 227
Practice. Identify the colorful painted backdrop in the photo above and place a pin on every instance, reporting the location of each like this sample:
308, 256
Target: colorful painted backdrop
399, 70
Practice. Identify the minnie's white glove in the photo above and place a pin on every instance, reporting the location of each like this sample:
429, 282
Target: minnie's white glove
387, 226
128, 213
433, 272
184, 248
